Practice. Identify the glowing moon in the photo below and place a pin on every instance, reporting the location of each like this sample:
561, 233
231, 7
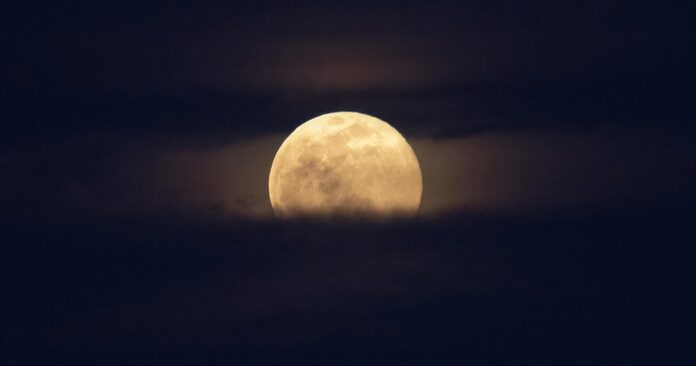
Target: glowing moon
345, 164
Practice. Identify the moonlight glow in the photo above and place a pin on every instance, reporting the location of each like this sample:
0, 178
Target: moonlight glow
345, 163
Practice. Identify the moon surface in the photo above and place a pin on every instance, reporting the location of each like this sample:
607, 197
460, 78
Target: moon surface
345, 164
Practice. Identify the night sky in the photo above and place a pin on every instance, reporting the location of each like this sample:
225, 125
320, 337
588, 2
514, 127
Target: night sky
556, 140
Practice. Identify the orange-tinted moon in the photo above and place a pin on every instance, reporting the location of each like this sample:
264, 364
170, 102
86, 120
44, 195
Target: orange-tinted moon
345, 164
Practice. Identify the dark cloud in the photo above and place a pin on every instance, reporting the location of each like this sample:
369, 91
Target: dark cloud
184, 71
461, 287
555, 138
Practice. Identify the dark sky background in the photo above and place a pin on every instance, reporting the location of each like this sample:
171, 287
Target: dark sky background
556, 140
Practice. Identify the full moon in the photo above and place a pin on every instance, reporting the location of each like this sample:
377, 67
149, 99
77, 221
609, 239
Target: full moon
345, 164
